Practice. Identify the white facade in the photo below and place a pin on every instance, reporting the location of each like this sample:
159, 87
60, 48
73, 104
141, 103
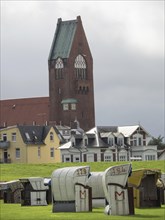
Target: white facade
103, 144
145, 152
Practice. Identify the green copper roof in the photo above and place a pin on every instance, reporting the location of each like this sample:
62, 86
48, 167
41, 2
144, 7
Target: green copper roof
63, 39
66, 101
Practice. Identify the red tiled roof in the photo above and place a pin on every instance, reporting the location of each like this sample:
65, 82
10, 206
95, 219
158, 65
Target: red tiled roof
24, 111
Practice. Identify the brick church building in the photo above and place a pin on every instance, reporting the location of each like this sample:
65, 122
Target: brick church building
71, 89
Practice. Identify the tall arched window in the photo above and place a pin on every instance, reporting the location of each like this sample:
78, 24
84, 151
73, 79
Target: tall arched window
80, 67
59, 68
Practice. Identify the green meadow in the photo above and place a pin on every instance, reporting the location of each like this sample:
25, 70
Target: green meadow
16, 171
18, 212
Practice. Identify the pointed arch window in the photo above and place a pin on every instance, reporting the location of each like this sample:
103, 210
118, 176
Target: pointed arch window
80, 67
59, 65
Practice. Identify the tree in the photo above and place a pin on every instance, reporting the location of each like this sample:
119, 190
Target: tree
157, 141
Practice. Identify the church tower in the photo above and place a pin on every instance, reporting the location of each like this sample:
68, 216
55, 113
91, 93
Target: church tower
71, 90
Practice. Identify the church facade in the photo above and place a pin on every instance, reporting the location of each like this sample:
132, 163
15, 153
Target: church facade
71, 89
70, 63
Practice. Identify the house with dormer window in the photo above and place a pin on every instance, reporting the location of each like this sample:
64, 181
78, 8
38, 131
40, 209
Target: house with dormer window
109, 143
30, 144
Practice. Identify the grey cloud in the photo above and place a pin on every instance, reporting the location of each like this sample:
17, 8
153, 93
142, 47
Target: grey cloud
128, 74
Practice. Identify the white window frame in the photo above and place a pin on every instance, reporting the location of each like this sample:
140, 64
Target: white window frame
65, 106
150, 157
17, 153
120, 141
137, 140
111, 141
52, 152
80, 66
122, 158
73, 106
13, 136
59, 65
107, 158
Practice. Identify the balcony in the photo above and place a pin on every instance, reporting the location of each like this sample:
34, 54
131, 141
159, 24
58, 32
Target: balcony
4, 144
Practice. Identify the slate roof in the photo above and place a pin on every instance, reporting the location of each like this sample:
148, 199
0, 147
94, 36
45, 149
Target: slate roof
37, 134
32, 134
63, 39
97, 136
102, 129
97, 142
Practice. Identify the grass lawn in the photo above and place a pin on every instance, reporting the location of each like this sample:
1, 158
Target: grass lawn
16, 171
18, 212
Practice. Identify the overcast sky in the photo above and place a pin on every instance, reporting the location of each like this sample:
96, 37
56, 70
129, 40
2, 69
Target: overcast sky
126, 39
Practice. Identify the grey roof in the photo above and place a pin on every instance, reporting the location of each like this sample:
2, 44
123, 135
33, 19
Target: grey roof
103, 129
32, 134
63, 39
36, 134
93, 141
62, 140
106, 134
47, 129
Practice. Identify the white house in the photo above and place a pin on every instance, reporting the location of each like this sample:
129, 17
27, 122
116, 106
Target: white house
108, 143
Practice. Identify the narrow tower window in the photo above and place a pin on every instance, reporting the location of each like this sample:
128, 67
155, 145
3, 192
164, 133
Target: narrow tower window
80, 67
59, 68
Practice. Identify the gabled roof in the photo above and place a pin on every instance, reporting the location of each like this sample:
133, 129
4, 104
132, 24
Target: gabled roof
62, 127
98, 142
62, 140
47, 129
106, 134
32, 134
37, 134
63, 39
102, 129
129, 130
67, 145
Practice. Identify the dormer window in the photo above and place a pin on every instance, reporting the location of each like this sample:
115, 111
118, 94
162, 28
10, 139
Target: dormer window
69, 104
27, 136
13, 137
85, 141
111, 141
59, 68
120, 141
80, 67
137, 140
73, 141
